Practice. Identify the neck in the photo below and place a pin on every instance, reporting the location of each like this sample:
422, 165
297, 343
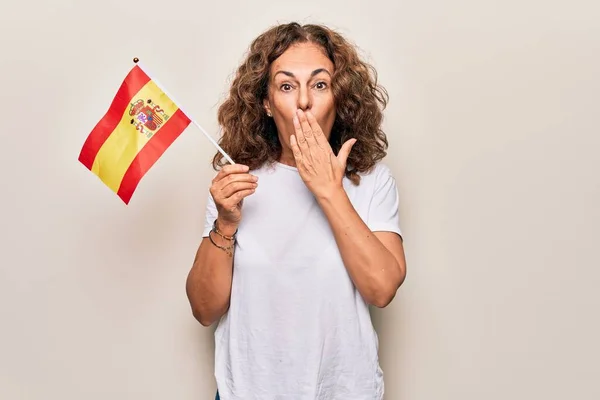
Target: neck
287, 157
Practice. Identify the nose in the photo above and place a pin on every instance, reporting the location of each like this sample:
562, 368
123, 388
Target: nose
304, 99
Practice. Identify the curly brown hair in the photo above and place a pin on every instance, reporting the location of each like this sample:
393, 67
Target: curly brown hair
250, 136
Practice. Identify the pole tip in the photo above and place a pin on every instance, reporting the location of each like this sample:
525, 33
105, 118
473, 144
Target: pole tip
135, 60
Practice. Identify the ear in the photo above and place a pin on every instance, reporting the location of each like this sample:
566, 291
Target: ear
267, 107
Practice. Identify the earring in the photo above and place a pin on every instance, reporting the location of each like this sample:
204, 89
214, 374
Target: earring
269, 114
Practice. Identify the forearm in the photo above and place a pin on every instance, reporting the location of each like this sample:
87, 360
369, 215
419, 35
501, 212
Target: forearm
373, 269
208, 284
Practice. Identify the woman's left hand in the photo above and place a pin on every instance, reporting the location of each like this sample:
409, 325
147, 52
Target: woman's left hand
320, 169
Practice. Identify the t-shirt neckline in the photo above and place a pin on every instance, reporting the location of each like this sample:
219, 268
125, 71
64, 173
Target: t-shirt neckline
285, 166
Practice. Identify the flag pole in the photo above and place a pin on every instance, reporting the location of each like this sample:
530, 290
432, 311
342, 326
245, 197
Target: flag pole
213, 141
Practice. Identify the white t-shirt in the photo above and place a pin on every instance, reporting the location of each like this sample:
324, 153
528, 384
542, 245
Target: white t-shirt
297, 328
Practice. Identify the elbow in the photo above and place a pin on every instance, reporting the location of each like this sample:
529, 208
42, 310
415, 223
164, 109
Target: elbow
208, 315
202, 317
382, 300
388, 290
206, 322
383, 296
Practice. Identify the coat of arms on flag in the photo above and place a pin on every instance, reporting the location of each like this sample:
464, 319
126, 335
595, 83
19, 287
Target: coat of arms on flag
147, 116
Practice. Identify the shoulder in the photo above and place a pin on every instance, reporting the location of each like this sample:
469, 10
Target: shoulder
378, 174
375, 182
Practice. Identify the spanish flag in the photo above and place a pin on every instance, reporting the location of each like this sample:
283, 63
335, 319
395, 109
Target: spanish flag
140, 124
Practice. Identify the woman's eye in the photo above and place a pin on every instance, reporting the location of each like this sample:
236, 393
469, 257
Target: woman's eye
321, 85
286, 87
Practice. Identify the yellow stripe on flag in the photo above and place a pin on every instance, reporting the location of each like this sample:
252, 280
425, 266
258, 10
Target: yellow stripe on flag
126, 141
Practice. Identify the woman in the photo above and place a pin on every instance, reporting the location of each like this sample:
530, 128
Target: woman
302, 232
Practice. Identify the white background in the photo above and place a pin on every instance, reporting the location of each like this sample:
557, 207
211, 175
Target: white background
495, 138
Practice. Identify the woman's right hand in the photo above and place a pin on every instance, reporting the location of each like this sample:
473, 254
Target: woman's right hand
229, 187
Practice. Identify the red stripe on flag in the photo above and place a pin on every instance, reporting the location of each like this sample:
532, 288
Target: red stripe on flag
151, 152
133, 83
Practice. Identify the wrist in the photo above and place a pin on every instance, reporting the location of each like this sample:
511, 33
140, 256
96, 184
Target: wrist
225, 227
332, 196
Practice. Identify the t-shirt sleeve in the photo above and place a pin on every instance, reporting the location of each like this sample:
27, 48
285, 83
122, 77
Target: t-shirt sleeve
383, 209
210, 215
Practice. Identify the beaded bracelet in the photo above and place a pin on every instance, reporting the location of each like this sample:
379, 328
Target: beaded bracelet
218, 232
227, 249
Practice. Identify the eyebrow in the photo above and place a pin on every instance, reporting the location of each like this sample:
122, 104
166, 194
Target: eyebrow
315, 72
